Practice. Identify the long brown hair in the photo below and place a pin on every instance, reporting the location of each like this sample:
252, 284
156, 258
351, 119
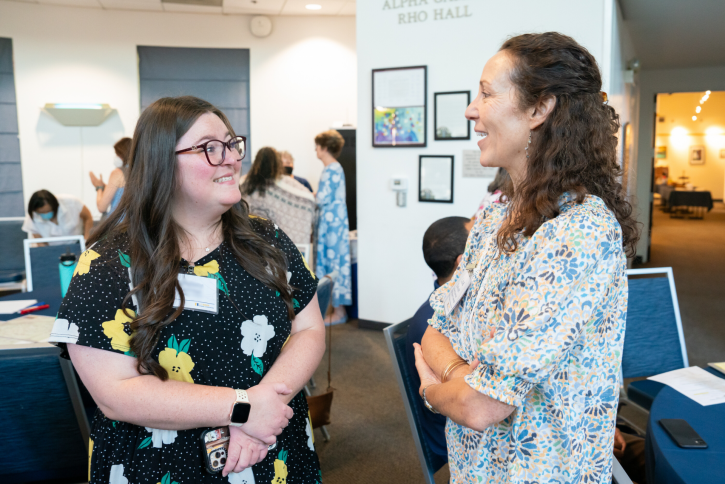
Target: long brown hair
575, 148
144, 215
267, 167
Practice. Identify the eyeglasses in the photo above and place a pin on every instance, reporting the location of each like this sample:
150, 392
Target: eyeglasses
216, 150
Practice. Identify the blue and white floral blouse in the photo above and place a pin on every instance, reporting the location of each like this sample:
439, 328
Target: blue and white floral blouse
333, 234
556, 308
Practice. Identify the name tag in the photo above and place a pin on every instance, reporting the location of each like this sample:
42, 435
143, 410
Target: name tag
451, 300
200, 294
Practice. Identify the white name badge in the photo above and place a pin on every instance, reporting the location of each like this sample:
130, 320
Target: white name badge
200, 293
451, 300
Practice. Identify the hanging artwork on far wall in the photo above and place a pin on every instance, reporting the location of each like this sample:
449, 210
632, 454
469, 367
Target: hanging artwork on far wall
399, 107
435, 178
449, 117
697, 155
661, 152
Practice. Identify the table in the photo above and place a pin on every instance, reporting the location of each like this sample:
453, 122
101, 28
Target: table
50, 296
699, 200
669, 464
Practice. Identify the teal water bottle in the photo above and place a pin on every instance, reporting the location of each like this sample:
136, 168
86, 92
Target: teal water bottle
66, 268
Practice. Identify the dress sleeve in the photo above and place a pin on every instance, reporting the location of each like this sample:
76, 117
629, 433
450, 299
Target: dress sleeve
555, 291
92, 312
29, 226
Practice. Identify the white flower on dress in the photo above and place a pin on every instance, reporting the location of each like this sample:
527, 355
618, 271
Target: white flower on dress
335, 178
117, 476
255, 334
329, 216
331, 254
289, 276
159, 437
64, 332
244, 477
308, 429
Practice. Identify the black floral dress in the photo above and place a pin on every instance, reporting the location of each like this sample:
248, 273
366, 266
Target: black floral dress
227, 349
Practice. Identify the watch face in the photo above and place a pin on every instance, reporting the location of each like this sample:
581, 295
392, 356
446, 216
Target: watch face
240, 413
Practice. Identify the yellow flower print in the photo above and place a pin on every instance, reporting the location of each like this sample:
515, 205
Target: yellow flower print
84, 263
307, 266
176, 360
114, 329
90, 456
208, 268
280, 468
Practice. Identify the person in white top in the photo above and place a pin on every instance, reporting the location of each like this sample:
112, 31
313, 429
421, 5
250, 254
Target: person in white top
51, 216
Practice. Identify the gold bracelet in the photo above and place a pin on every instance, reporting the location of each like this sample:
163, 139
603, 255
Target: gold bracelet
452, 366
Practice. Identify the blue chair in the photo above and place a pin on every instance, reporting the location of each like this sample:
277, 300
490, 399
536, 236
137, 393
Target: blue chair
41, 263
324, 294
395, 335
12, 267
42, 420
653, 341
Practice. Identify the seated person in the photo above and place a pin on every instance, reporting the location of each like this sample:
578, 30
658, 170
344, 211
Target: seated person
61, 216
443, 246
289, 165
279, 198
629, 451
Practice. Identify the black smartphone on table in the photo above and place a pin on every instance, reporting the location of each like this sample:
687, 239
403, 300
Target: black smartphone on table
683, 435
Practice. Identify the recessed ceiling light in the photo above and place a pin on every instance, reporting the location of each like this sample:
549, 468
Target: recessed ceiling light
313, 6
707, 92
694, 118
698, 109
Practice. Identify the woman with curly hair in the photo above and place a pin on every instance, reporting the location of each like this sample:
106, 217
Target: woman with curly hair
524, 350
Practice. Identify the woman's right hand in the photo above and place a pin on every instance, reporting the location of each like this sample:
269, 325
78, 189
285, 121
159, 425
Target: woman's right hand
97, 182
244, 451
269, 414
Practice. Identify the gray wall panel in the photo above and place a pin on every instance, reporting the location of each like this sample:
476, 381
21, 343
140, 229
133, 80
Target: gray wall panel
11, 204
7, 88
11, 179
9, 148
193, 64
8, 118
6, 56
222, 94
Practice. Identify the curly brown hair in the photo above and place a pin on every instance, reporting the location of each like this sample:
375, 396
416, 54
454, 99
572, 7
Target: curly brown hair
332, 140
575, 149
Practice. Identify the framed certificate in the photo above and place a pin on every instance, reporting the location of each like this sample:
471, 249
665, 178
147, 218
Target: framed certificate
449, 115
435, 178
399, 107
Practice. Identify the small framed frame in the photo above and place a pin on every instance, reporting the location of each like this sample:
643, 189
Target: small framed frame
400, 118
697, 155
435, 178
449, 116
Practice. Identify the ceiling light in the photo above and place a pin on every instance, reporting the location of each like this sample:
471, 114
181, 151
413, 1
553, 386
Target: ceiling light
707, 92
79, 114
698, 109
313, 6
694, 118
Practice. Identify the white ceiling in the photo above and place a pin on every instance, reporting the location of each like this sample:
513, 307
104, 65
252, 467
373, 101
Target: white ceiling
231, 7
669, 34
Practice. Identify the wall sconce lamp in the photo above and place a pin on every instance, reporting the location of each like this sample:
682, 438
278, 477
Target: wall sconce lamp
79, 114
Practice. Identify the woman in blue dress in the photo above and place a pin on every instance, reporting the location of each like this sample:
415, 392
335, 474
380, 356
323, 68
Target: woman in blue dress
333, 228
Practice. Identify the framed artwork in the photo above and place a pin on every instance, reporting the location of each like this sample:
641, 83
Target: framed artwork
661, 152
435, 178
399, 107
697, 155
449, 117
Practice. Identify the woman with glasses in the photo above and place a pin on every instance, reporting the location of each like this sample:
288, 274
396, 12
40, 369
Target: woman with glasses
186, 314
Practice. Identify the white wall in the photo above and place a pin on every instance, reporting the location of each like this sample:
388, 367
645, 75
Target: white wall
303, 78
393, 277
652, 82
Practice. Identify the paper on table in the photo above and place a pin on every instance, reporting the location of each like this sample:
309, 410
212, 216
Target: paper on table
30, 328
10, 307
695, 383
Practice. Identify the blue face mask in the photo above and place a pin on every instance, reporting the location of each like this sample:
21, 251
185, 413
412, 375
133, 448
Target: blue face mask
46, 216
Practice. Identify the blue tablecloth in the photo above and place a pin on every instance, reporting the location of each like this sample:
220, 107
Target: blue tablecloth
50, 295
669, 464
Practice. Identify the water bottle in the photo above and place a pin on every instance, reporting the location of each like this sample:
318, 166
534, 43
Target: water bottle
66, 268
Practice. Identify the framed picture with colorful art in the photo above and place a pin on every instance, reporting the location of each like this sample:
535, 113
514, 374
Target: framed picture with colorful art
399, 107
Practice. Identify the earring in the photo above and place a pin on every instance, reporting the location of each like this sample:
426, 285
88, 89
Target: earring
527, 146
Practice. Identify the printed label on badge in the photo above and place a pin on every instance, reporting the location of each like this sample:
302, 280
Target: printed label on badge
200, 293
451, 300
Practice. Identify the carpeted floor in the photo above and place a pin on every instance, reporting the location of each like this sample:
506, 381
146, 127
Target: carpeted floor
370, 440
695, 249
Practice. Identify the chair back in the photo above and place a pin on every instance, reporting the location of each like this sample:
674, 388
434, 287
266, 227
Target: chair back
619, 476
653, 342
395, 336
12, 267
41, 263
43, 438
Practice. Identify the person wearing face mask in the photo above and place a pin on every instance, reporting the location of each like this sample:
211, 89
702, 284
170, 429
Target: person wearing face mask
289, 165
108, 195
51, 216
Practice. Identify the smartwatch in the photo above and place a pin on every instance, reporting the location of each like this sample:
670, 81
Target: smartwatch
240, 409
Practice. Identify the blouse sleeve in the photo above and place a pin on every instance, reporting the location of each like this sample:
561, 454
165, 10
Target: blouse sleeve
29, 225
92, 312
553, 295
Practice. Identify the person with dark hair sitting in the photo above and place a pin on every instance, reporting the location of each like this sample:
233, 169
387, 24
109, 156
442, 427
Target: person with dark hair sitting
443, 246
51, 216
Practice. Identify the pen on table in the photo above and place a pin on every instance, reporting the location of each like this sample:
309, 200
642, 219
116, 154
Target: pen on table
34, 305
34, 308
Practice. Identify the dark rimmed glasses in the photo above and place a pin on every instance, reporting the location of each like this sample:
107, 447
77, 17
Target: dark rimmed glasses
216, 150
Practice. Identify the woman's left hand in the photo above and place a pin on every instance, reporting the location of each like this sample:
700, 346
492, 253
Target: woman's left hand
244, 451
427, 376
